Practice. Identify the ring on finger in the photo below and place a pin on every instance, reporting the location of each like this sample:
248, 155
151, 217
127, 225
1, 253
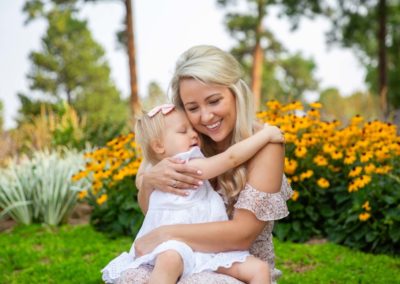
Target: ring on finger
174, 183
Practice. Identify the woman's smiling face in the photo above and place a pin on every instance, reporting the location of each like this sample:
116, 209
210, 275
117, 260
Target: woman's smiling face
210, 108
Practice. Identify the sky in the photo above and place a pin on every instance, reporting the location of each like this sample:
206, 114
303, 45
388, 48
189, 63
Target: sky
164, 29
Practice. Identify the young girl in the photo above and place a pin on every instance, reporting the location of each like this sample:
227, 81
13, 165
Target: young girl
166, 132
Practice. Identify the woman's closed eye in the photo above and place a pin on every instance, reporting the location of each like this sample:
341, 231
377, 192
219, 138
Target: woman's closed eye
192, 109
215, 101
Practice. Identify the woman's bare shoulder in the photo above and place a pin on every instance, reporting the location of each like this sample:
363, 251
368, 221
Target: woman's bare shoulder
265, 169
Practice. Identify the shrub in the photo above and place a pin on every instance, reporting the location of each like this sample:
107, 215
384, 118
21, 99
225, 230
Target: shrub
39, 190
345, 178
113, 194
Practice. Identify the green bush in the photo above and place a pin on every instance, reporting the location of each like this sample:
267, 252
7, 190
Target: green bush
345, 179
113, 195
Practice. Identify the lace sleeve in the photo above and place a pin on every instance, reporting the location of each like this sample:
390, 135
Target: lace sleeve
266, 206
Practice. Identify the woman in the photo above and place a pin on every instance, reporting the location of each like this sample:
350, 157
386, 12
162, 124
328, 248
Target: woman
207, 84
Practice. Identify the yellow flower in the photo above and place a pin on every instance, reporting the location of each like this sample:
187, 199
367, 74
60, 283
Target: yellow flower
365, 157
290, 166
79, 175
295, 195
82, 194
355, 171
320, 160
369, 169
352, 187
336, 155
323, 183
300, 152
366, 206
273, 105
329, 148
364, 216
357, 119
316, 105
349, 159
306, 175
383, 170
101, 199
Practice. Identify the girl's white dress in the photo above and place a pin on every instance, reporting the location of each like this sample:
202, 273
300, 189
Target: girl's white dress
200, 206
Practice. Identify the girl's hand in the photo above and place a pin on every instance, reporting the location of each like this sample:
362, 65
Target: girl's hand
148, 242
173, 176
274, 134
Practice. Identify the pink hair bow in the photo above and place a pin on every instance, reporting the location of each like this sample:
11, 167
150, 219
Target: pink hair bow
165, 109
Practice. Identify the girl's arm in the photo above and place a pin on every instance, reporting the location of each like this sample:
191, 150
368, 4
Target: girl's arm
265, 171
237, 153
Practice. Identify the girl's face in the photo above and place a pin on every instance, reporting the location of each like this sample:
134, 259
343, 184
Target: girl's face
211, 109
179, 135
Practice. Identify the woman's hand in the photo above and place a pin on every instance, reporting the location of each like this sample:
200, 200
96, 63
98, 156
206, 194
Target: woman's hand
172, 175
274, 133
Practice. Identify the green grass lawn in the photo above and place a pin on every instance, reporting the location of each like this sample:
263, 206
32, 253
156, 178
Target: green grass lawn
36, 254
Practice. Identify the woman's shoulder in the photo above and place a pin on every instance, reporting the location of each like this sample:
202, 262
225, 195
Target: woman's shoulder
265, 169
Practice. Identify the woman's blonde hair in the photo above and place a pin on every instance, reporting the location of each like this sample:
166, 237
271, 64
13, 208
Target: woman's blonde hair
211, 65
147, 130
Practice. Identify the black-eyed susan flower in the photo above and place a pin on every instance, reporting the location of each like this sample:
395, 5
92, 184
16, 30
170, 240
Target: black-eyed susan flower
101, 199
306, 175
366, 156
349, 159
323, 183
290, 166
316, 105
369, 169
300, 152
364, 216
336, 155
320, 160
82, 194
295, 195
355, 171
366, 206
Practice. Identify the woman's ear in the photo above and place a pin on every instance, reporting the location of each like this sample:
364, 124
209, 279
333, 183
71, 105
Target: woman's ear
157, 146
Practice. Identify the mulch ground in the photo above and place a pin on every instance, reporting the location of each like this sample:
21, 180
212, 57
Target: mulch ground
80, 215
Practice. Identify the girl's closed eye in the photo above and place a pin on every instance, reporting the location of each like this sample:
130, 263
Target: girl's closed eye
182, 130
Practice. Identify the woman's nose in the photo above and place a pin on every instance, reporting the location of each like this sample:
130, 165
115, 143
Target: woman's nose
206, 116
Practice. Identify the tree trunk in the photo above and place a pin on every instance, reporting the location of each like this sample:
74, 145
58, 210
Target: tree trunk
258, 59
134, 98
382, 63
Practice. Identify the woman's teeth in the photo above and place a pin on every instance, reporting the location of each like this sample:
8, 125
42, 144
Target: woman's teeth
213, 126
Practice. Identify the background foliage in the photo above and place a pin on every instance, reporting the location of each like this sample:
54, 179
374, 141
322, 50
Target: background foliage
345, 178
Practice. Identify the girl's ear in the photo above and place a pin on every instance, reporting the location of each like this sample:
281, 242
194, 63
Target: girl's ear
157, 146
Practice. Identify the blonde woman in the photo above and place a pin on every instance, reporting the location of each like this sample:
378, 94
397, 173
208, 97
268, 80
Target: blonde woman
207, 84
166, 132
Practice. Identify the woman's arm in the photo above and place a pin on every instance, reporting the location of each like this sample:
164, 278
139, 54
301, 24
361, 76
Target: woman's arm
162, 176
236, 234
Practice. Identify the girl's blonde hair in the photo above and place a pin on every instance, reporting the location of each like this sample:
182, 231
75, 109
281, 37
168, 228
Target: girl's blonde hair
211, 65
147, 130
